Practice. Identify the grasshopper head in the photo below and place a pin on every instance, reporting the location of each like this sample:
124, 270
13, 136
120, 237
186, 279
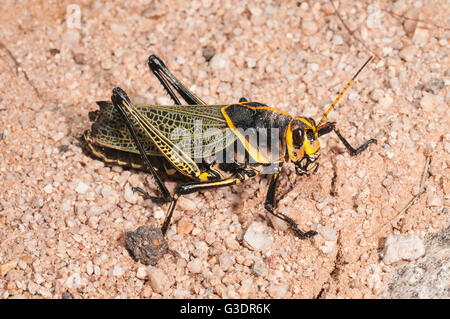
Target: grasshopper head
303, 145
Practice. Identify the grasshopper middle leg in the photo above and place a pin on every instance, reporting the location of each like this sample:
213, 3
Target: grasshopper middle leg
270, 206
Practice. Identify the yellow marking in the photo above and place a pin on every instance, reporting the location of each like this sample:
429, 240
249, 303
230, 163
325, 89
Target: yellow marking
311, 150
293, 155
250, 149
204, 176
223, 182
306, 122
182, 162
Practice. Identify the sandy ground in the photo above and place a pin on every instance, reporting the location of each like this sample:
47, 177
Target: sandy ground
63, 214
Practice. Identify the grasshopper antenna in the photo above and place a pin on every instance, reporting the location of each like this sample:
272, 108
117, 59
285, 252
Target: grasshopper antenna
342, 92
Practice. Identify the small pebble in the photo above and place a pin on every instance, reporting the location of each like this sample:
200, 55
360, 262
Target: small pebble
82, 188
327, 248
141, 273
208, 52
184, 227
309, 27
158, 212
226, 261
434, 85
66, 295
117, 271
408, 53
220, 61
158, 280
410, 24
118, 29
48, 189
73, 281
180, 59
337, 39
328, 234
130, 196
258, 267
258, 237
4, 268
71, 37
186, 204
421, 37
195, 266
430, 102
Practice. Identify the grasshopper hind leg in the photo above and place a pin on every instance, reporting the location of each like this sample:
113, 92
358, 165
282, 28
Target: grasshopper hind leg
120, 98
167, 79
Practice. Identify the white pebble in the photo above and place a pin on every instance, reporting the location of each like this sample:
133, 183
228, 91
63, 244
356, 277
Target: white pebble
82, 188
430, 102
402, 247
180, 59
117, 271
71, 37
186, 204
48, 189
106, 191
158, 279
386, 101
337, 40
158, 212
89, 268
328, 234
309, 27
281, 291
251, 63
327, 248
73, 281
195, 266
258, 237
129, 195
118, 29
220, 61
141, 273
226, 261
408, 53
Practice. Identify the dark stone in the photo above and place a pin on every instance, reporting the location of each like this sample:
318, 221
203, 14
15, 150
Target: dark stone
66, 295
434, 85
208, 52
146, 245
63, 148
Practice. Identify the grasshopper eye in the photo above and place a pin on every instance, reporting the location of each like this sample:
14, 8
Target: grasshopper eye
297, 137
310, 135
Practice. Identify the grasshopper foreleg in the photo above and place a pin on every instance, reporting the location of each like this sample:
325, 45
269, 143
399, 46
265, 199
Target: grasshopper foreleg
331, 126
270, 206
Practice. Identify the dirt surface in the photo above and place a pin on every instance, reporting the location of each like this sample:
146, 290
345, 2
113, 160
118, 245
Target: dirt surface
64, 215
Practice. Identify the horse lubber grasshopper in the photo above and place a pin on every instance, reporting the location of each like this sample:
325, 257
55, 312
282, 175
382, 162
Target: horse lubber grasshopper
122, 128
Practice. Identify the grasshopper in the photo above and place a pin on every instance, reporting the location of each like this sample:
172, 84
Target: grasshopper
122, 128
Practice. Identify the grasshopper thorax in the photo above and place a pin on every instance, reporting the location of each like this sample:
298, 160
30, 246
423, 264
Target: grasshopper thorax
302, 143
